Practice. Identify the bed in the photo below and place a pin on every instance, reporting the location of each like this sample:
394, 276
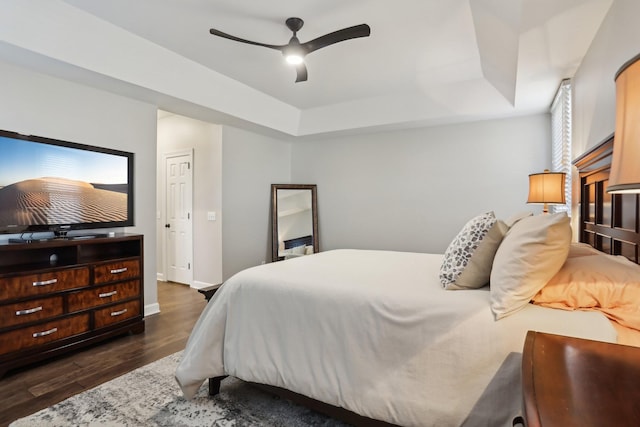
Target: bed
379, 334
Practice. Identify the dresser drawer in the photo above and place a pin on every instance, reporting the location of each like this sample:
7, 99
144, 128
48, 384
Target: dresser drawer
33, 336
116, 313
95, 296
29, 311
43, 283
112, 271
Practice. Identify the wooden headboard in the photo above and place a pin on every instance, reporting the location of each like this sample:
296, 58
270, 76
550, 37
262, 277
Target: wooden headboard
298, 241
608, 222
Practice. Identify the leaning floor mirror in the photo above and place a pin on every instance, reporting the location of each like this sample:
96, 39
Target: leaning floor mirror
295, 220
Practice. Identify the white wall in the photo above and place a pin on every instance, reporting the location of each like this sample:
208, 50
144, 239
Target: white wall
37, 104
295, 225
616, 42
251, 164
413, 190
177, 133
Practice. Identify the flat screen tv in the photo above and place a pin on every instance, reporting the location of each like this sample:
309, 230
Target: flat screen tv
57, 186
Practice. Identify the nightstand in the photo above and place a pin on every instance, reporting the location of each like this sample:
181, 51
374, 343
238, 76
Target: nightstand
577, 382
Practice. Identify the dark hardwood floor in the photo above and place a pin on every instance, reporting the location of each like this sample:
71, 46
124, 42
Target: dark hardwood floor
26, 390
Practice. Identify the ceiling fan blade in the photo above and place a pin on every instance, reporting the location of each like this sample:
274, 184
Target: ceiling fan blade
301, 73
238, 39
362, 30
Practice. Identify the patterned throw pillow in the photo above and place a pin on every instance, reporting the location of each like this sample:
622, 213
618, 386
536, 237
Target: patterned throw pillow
468, 259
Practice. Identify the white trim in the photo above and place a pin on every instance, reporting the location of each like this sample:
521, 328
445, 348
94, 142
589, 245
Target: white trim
150, 309
199, 285
160, 276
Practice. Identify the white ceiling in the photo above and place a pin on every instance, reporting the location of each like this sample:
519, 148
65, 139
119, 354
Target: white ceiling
426, 62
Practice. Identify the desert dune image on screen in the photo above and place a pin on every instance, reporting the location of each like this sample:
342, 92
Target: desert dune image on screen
42, 184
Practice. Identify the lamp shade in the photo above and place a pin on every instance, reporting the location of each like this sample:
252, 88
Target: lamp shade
625, 165
546, 187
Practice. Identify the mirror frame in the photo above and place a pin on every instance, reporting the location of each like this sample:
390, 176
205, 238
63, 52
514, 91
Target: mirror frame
274, 215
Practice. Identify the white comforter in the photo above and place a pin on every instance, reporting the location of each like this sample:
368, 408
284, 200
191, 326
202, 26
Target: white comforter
373, 332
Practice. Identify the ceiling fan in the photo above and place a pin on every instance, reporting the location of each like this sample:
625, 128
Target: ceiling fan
294, 51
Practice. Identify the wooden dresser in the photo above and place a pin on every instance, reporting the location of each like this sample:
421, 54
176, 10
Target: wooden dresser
576, 382
59, 295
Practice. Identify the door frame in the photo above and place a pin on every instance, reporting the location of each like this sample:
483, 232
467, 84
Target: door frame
165, 157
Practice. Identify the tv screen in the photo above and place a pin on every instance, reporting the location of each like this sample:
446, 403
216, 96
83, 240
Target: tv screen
52, 185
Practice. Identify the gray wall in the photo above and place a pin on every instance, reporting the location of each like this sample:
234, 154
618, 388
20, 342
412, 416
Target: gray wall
36, 104
413, 190
594, 90
616, 42
408, 190
405, 190
251, 164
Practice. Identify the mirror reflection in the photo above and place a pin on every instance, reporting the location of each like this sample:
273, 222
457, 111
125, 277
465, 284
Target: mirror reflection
295, 220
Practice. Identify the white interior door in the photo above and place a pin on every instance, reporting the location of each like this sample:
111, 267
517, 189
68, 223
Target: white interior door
178, 226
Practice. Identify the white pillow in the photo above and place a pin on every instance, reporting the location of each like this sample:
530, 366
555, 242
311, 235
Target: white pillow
530, 254
467, 260
517, 217
298, 250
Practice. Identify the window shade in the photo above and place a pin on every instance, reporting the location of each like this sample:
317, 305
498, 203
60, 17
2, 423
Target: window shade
561, 140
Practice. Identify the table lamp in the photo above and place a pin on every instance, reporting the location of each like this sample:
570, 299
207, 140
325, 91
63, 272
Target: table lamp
625, 170
546, 188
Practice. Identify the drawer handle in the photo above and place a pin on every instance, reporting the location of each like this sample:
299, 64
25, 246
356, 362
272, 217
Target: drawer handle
28, 311
118, 270
45, 282
118, 313
107, 294
45, 333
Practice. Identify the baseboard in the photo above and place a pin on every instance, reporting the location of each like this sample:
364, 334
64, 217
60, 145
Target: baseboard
160, 276
150, 309
199, 285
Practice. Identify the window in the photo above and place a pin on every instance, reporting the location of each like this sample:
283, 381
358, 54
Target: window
561, 140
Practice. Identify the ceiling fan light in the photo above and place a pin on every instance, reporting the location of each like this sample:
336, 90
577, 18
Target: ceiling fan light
294, 53
294, 59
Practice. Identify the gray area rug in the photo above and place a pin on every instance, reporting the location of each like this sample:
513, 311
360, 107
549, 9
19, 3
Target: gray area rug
150, 396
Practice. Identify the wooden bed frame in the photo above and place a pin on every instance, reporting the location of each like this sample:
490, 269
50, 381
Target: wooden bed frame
609, 223
335, 412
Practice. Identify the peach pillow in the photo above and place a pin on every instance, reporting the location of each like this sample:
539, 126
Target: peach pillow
582, 249
607, 283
